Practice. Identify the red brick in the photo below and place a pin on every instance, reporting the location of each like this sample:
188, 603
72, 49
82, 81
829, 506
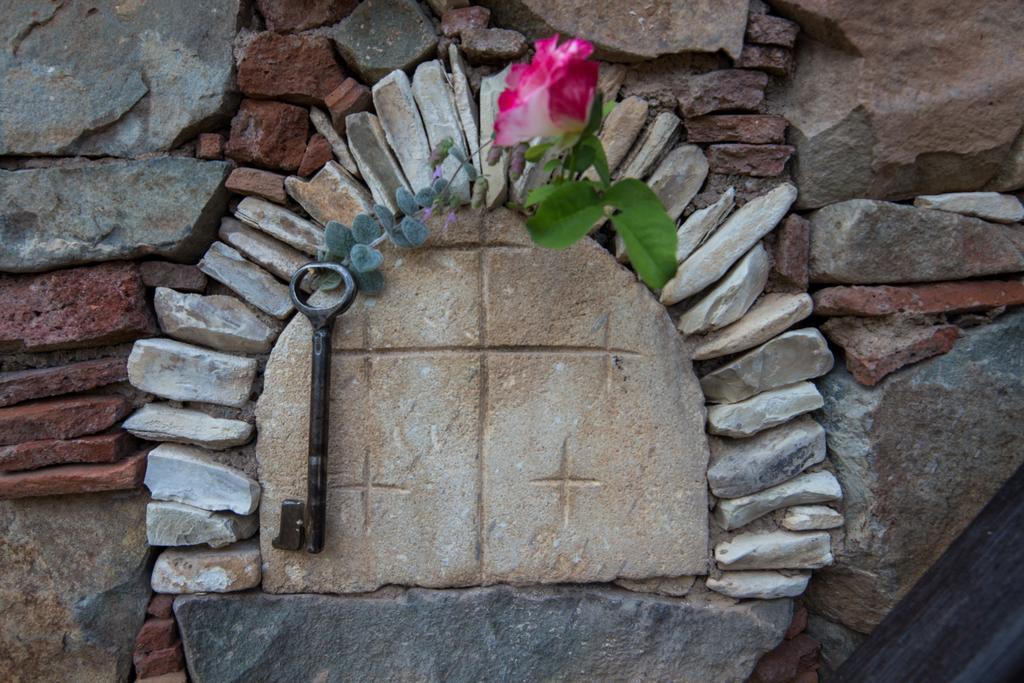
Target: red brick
876, 347
62, 418
350, 97
942, 297
156, 634
65, 479
752, 128
769, 30
268, 134
782, 664
23, 385
73, 308
789, 246
774, 60
299, 15
454, 21
165, 661
173, 677
35, 454
724, 90
210, 146
257, 182
160, 606
318, 153
179, 276
762, 161
296, 68
798, 624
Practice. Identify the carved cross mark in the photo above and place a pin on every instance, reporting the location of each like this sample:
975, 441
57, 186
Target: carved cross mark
366, 488
564, 482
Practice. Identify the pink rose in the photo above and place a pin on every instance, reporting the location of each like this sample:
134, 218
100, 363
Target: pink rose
549, 96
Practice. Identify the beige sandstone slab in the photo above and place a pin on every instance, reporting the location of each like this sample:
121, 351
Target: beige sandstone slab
333, 194
773, 314
500, 413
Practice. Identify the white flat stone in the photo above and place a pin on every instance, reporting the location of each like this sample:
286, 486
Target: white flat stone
220, 322
620, 131
183, 474
765, 585
769, 409
812, 517
790, 357
322, 123
679, 177
701, 223
740, 467
261, 248
496, 175
175, 524
465, 103
772, 315
208, 570
333, 194
396, 109
742, 230
775, 550
989, 206
163, 422
660, 135
812, 487
183, 372
436, 102
732, 296
377, 165
247, 280
280, 223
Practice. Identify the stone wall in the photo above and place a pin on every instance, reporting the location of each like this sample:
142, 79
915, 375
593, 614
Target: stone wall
151, 221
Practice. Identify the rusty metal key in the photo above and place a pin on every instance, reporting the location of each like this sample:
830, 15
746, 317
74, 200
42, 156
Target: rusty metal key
308, 521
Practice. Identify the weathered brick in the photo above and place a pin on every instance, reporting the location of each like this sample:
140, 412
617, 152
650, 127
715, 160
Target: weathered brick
348, 98
62, 418
268, 134
24, 385
789, 246
295, 68
73, 308
751, 128
258, 183
156, 634
724, 90
774, 60
763, 161
158, 662
160, 606
65, 479
941, 297
782, 664
32, 455
179, 276
299, 15
454, 21
210, 146
798, 624
318, 152
492, 45
768, 30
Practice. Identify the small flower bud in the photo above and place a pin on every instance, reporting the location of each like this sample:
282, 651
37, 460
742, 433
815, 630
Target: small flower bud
517, 162
494, 155
479, 197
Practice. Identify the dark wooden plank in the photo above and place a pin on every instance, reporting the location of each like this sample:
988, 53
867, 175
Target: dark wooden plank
964, 620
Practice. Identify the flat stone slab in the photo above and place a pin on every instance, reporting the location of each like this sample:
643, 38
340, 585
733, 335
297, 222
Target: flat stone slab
770, 316
483, 634
812, 487
67, 479
23, 385
760, 585
491, 441
35, 454
172, 524
939, 297
183, 474
989, 206
811, 517
775, 550
262, 249
768, 409
60, 418
179, 276
164, 422
731, 297
247, 280
183, 372
331, 195
218, 321
207, 570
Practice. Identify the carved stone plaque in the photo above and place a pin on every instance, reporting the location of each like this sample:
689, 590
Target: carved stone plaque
501, 413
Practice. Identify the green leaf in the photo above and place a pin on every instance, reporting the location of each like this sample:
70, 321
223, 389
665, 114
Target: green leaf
470, 171
459, 155
414, 230
599, 160
596, 114
566, 215
552, 165
364, 258
539, 194
439, 185
607, 109
583, 157
406, 202
537, 151
384, 215
328, 279
338, 238
370, 282
426, 197
365, 232
649, 233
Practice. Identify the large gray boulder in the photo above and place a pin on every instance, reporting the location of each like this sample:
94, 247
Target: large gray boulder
113, 78
100, 211
75, 586
918, 456
483, 634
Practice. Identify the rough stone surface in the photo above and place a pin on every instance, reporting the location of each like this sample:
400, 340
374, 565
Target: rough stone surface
570, 634
156, 634
942, 297
183, 372
876, 347
457, 492
769, 317
67, 479
731, 297
262, 249
160, 662
210, 146
742, 230
989, 206
775, 550
789, 247
436, 102
764, 585
183, 474
31, 455
167, 76
910, 491
811, 517
658, 137
739, 468
862, 241
179, 276
160, 606
247, 280
760, 161
492, 45
220, 322
105, 210
400, 118
350, 97
294, 68
60, 418
377, 165
621, 129
768, 409
178, 524
1011, 172
631, 32
207, 570
331, 195
725, 90
771, 59
465, 104
695, 230
675, 586
921, 110
268, 134
383, 35
791, 357
496, 174
257, 182
23, 385
678, 178
162, 422
768, 30
455, 20
330, 131
61, 622
318, 152
299, 15
813, 487
749, 128
282, 224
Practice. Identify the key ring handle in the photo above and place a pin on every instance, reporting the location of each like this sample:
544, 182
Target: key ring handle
323, 316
